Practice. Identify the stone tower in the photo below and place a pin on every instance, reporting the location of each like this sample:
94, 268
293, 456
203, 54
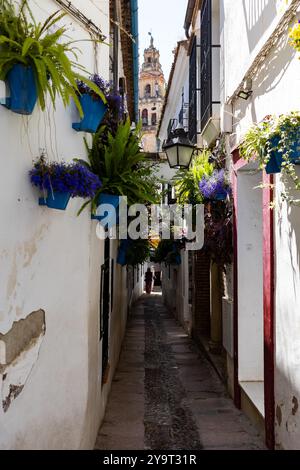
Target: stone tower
152, 94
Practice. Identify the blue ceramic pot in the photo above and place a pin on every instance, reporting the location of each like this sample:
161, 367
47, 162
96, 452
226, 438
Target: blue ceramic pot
221, 196
121, 259
57, 200
110, 218
276, 158
23, 91
94, 110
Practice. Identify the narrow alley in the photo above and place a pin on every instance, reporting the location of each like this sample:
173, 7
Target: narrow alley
166, 395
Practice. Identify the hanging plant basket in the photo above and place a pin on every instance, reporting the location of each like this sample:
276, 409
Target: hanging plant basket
274, 164
20, 81
133, 252
94, 111
215, 187
122, 252
56, 200
59, 181
110, 218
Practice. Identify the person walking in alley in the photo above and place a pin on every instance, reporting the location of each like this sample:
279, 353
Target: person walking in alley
149, 280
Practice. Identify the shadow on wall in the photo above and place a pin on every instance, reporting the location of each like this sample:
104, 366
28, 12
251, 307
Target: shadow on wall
259, 14
287, 393
268, 77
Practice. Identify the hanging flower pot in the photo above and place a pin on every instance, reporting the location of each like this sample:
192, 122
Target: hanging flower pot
60, 181
122, 252
274, 164
215, 187
23, 91
56, 200
133, 252
221, 195
94, 110
111, 217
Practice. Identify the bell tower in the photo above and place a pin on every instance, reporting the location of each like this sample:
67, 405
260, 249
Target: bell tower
152, 94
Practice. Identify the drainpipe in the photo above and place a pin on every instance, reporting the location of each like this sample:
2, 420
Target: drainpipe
135, 34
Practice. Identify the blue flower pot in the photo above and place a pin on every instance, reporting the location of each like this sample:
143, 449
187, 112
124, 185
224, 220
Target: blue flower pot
178, 260
110, 219
57, 200
121, 259
94, 111
23, 91
275, 163
221, 196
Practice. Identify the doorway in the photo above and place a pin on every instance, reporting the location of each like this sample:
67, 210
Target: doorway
250, 288
105, 309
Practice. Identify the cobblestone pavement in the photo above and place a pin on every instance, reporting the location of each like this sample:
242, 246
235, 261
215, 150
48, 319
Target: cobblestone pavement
165, 394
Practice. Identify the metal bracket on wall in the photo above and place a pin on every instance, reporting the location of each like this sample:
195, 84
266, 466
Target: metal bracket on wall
78, 15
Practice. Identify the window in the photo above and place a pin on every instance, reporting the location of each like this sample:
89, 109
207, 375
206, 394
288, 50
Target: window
148, 90
206, 63
145, 117
149, 60
193, 94
153, 119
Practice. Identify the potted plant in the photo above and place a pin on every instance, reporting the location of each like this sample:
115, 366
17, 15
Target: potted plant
168, 252
122, 167
275, 143
94, 108
133, 252
215, 187
59, 181
295, 36
34, 60
186, 182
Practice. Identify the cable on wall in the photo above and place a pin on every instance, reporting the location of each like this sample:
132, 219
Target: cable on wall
77, 14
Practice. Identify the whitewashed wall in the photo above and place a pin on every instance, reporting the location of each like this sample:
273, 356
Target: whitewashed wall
51, 260
276, 86
175, 289
180, 82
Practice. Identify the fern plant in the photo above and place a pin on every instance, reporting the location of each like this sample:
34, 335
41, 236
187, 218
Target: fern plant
121, 166
24, 41
186, 182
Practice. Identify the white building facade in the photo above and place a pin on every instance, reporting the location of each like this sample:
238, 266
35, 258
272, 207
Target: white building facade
233, 44
53, 269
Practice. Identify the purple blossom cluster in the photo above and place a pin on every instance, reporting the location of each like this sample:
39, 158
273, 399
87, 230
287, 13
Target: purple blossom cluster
215, 187
65, 177
103, 85
114, 99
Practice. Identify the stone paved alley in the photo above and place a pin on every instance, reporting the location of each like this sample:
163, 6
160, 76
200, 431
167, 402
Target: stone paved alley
165, 394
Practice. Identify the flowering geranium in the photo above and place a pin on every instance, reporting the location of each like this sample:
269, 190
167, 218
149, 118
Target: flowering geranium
64, 177
215, 186
295, 36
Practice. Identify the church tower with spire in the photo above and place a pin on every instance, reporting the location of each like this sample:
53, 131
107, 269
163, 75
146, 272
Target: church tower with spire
152, 94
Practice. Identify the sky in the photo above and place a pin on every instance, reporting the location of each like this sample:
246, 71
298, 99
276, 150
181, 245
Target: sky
165, 19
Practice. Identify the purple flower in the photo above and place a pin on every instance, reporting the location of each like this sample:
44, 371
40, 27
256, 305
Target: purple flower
103, 85
65, 177
215, 186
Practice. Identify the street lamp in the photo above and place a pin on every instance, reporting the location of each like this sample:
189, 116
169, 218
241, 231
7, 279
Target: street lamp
179, 149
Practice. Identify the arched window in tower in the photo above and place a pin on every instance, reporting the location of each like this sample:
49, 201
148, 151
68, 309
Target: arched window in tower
149, 60
153, 119
145, 117
148, 90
